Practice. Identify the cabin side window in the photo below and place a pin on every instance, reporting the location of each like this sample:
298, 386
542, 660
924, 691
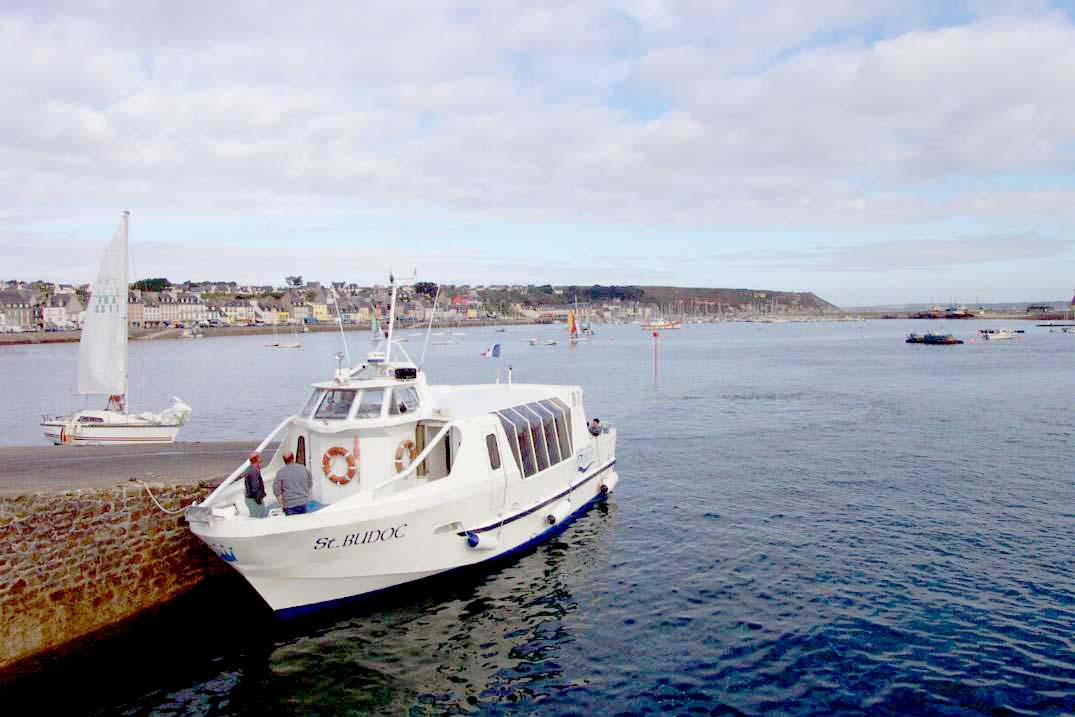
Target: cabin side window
494, 451
336, 404
563, 424
370, 405
311, 402
513, 441
538, 435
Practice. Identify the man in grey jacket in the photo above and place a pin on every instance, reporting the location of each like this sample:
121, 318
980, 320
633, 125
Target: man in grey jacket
292, 486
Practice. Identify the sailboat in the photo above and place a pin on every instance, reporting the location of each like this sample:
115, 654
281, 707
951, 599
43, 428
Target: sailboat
376, 336
587, 328
572, 328
278, 344
102, 367
584, 331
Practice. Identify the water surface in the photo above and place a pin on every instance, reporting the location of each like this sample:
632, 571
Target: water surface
811, 519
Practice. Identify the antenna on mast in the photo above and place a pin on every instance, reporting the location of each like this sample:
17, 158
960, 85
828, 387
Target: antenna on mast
430, 327
339, 320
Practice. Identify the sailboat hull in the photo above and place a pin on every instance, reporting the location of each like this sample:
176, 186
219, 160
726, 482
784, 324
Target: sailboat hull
108, 428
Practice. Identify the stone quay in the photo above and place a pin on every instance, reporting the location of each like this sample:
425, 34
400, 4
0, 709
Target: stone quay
85, 547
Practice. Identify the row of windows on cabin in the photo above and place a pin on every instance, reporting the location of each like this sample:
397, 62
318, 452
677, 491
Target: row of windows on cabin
335, 404
538, 434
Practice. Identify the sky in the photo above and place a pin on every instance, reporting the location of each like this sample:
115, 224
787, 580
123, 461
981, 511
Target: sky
870, 151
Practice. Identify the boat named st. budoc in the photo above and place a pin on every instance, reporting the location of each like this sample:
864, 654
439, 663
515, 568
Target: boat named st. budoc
409, 480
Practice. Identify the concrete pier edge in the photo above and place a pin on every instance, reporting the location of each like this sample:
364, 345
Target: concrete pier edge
86, 549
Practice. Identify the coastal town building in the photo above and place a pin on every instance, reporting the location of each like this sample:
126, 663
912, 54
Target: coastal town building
181, 308
152, 315
18, 310
552, 312
238, 312
136, 310
54, 313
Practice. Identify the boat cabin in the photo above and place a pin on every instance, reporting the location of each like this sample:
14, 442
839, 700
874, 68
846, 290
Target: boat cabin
362, 431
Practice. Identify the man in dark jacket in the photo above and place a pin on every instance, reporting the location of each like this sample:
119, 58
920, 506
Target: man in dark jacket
255, 487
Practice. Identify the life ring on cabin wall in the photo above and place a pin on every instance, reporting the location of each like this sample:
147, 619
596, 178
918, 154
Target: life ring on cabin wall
326, 465
407, 447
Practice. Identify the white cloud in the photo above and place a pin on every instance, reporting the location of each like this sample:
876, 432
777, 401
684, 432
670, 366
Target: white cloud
840, 116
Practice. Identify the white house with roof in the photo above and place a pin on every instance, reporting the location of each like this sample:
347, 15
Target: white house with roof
239, 312
54, 312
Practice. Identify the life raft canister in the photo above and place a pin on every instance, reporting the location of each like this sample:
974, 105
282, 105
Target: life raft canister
326, 465
407, 447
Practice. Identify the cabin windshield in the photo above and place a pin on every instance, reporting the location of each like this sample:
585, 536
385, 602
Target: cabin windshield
370, 405
308, 407
336, 404
404, 400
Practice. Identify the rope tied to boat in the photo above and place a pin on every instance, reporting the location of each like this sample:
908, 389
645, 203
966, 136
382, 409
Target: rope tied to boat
154, 498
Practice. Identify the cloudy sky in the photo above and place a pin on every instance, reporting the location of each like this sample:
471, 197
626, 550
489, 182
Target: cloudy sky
868, 150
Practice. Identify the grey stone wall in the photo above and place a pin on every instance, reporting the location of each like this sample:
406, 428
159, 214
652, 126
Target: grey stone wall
75, 561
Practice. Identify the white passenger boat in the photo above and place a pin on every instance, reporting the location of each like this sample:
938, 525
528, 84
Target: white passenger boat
409, 480
102, 368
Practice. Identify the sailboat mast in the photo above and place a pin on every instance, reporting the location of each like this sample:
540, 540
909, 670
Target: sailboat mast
391, 316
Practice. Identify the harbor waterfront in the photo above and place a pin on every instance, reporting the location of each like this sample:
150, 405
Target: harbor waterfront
813, 518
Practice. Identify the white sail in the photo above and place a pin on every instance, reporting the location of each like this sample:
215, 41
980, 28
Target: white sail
102, 351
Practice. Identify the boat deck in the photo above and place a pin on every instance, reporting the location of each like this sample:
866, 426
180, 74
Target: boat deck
60, 468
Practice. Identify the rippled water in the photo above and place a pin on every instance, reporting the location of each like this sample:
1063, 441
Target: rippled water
811, 519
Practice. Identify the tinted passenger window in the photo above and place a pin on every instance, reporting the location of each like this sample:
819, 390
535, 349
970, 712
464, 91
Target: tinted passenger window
538, 434
563, 424
513, 442
494, 451
526, 445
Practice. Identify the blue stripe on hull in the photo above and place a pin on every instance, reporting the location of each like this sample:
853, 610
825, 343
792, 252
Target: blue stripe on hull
554, 530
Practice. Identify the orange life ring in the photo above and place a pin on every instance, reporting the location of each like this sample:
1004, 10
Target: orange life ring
326, 465
406, 446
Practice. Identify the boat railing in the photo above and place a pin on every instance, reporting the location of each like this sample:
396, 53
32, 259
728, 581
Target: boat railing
245, 464
406, 473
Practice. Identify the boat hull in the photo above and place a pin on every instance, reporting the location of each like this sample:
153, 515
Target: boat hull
59, 433
307, 569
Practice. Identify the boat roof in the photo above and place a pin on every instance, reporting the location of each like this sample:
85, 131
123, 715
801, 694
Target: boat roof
476, 400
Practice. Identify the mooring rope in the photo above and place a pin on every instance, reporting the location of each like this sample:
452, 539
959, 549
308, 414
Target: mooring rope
154, 498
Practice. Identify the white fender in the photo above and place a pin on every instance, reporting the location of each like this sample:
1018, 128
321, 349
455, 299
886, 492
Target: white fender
609, 481
557, 514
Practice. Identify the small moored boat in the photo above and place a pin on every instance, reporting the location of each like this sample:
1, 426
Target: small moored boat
998, 334
933, 339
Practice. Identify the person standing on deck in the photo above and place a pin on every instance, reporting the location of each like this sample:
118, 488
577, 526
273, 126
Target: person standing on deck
255, 487
292, 486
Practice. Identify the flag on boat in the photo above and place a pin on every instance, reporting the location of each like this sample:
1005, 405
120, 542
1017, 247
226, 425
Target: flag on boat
492, 352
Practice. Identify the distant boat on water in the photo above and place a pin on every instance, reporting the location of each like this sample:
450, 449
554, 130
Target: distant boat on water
998, 334
933, 339
662, 325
